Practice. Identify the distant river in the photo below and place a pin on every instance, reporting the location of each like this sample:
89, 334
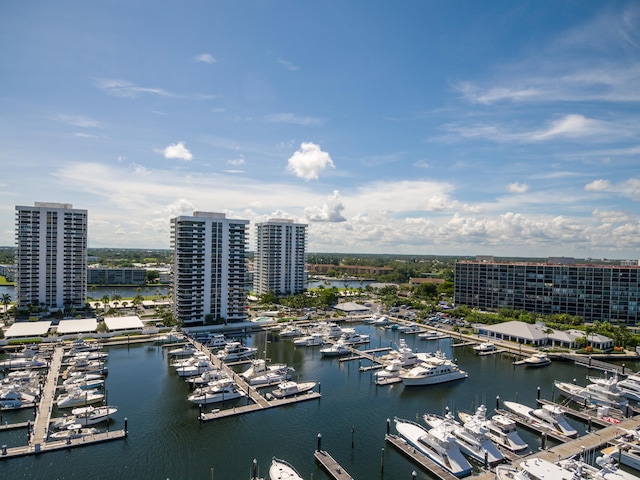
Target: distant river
167, 442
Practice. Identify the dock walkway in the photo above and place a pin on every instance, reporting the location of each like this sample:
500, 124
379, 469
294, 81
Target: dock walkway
332, 467
61, 444
43, 416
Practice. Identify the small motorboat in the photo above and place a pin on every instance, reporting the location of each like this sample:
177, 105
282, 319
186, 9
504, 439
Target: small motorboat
281, 470
291, 388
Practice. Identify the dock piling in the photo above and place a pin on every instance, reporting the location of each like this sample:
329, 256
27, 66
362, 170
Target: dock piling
319, 442
353, 430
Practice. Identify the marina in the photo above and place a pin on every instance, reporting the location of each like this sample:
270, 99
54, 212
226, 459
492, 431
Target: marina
349, 412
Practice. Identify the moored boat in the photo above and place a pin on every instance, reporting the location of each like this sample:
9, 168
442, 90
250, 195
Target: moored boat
438, 445
291, 388
501, 429
433, 370
282, 470
605, 393
539, 359
548, 416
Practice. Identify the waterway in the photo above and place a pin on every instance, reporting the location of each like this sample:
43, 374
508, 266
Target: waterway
166, 441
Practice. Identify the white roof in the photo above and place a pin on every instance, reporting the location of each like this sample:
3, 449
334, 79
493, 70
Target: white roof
79, 325
123, 323
28, 329
518, 329
351, 307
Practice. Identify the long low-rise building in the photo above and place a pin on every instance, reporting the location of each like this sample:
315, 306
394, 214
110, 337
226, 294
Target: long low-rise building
608, 293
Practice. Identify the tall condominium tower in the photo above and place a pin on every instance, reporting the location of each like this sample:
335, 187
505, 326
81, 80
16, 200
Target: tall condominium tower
209, 262
280, 257
51, 256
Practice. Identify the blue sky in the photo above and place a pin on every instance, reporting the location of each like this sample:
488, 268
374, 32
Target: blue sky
419, 127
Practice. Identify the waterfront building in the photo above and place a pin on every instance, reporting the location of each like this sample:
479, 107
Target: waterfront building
609, 293
280, 257
209, 255
116, 276
51, 256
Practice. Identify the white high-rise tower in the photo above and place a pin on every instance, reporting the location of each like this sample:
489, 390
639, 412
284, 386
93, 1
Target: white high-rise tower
209, 262
280, 257
51, 256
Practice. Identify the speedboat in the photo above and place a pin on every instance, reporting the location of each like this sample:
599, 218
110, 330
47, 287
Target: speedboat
604, 393
79, 398
501, 429
484, 347
539, 359
548, 416
216, 392
437, 444
234, 351
197, 367
409, 329
271, 377
14, 398
389, 373
291, 388
73, 431
335, 350
85, 416
184, 351
432, 370
472, 438
88, 382
291, 331
281, 470
381, 321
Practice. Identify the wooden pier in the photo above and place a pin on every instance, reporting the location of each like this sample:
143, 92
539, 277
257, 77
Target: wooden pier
33, 449
421, 459
259, 402
332, 467
43, 415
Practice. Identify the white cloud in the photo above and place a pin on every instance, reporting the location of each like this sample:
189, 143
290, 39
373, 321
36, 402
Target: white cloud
177, 151
422, 164
291, 118
516, 187
309, 161
288, 65
236, 161
205, 58
571, 126
598, 186
124, 89
330, 211
77, 121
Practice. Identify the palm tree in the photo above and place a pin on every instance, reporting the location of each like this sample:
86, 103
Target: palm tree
6, 299
116, 299
105, 302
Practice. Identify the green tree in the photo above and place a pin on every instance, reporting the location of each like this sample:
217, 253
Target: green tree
6, 300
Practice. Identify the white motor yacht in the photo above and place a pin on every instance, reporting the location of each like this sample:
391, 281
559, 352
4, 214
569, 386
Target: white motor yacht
335, 350
433, 370
184, 351
534, 469
437, 444
630, 387
472, 438
281, 470
85, 416
195, 368
484, 347
14, 398
290, 388
626, 448
605, 393
79, 398
73, 431
216, 392
539, 359
312, 340
207, 377
291, 331
548, 416
608, 469
351, 337
432, 335
234, 351
501, 429
259, 367
403, 353
389, 373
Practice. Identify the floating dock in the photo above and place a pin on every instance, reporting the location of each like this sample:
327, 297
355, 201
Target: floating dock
332, 467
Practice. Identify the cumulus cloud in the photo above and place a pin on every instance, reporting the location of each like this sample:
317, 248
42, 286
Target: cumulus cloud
516, 187
598, 186
205, 58
177, 151
309, 161
330, 211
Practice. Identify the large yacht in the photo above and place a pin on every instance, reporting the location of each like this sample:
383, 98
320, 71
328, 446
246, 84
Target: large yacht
439, 445
604, 393
549, 416
472, 438
501, 429
432, 370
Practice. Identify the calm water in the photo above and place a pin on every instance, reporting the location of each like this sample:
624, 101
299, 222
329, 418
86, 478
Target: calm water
166, 440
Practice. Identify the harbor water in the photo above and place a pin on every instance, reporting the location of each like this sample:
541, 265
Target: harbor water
166, 440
